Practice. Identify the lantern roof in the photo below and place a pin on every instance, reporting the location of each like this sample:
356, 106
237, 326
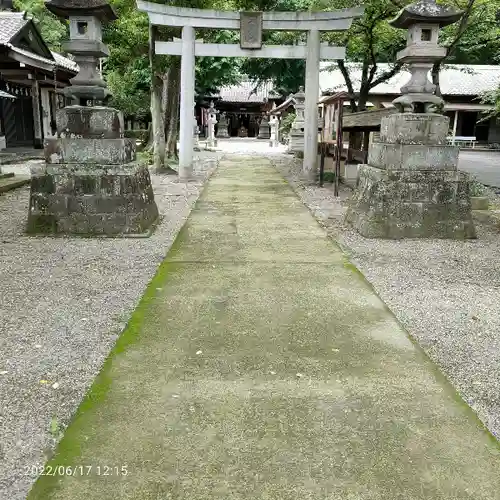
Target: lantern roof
426, 11
68, 8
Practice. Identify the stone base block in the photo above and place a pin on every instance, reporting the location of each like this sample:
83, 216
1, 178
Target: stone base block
222, 134
414, 128
90, 122
412, 156
411, 204
100, 151
108, 202
264, 132
296, 143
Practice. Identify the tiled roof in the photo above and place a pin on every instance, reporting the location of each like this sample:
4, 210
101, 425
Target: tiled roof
243, 92
456, 79
10, 24
13, 22
64, 62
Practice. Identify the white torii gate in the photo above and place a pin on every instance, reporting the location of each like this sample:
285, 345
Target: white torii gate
250, 25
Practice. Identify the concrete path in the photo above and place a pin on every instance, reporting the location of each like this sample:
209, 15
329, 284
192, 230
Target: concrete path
261, 365
485, 165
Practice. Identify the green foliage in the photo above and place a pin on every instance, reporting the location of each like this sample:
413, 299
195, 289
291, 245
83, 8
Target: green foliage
130, 86
214, 72
139, 134
476, 188
476, 41
286, 123
52, 30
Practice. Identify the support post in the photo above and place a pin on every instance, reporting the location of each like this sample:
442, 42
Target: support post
37, 114
187, 99
311, 106
455, 122
338, 143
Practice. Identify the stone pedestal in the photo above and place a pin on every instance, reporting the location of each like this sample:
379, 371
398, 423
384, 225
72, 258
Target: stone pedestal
411, 187
296, 140
264, 131
91, 183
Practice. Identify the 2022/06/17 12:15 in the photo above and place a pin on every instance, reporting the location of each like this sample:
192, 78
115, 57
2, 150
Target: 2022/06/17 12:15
76, 470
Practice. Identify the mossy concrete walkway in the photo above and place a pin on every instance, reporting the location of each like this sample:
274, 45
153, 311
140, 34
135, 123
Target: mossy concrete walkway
261, 365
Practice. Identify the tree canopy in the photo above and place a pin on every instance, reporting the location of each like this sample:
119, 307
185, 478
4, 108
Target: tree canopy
370, 40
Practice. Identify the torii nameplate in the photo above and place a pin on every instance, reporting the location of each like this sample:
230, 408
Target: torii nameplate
251, 30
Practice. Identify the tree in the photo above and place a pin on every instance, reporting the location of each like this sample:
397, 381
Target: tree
53, 31
147, 84
475, 39
369, 41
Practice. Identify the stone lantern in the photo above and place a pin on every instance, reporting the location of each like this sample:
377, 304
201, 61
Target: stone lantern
86, 18
423, 21
222, 129
411, 187
212, 121
297, 130
264, 131
91, 183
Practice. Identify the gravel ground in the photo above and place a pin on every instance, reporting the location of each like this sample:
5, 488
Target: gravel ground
63, 304
446, 294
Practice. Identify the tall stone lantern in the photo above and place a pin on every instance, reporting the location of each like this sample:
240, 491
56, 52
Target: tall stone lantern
297, 131
411, 187
91, 183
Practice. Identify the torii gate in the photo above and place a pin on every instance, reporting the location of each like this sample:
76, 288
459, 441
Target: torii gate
250, 25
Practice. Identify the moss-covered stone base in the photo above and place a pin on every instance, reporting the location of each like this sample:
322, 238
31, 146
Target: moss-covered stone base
398, 204
104, 201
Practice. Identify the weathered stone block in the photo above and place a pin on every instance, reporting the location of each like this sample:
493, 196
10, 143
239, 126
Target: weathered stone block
480, 203
410, 128
115, 203
96, 122
392, 156
85, 184
100, 151
411, 204
43, 184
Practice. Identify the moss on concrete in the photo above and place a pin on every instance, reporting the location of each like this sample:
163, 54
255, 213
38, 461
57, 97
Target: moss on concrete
261, 365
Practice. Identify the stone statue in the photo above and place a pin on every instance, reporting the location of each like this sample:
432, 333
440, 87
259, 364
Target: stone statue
423, 20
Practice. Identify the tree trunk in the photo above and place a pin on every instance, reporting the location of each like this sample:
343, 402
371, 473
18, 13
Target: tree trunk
157, 123
156, 114
363, 98
172, 110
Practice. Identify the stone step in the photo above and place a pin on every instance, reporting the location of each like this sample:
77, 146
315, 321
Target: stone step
489, 218
13, 182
